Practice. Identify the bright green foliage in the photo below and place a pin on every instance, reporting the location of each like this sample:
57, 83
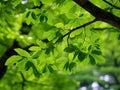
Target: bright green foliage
48, 52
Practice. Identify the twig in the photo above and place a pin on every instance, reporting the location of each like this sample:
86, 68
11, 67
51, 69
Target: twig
23, 80
111, 4
74, 29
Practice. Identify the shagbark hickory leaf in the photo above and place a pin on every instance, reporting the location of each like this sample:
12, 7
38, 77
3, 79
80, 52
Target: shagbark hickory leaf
22, 52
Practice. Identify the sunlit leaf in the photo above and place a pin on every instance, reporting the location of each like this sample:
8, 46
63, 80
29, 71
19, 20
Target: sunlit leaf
22, 52
34, 48
13, 59
36, 54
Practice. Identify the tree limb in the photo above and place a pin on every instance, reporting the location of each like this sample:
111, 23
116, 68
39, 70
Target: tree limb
76, 28
111, 4
99, 13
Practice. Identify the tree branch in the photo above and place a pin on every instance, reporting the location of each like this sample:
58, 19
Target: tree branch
111, 4
99, 13
76, 28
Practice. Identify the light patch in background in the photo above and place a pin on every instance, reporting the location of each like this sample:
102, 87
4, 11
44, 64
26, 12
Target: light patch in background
83, 88
24, 1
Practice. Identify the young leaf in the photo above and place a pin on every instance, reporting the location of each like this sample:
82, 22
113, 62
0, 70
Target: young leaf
96, 52
81, 56
92, 60
22, 52
13, 59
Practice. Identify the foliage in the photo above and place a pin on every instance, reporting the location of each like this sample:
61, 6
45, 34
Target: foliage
48, 40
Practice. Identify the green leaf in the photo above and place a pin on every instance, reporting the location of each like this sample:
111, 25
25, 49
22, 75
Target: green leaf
35, 71
36, 54
50, 68
59, 2
36, 2
43, 19
28, 13
72, 65
47, 51
45, 69
97, 46
33, 16
96, 52
81, 56
90, 47
66, 66
75, 55
13, 59
22, 52
92, 60
119, 37
34, 48
71, 48
28, 65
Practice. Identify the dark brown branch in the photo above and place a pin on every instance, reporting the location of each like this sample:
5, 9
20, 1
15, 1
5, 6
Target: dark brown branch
74, 29
111, 4
99, 13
